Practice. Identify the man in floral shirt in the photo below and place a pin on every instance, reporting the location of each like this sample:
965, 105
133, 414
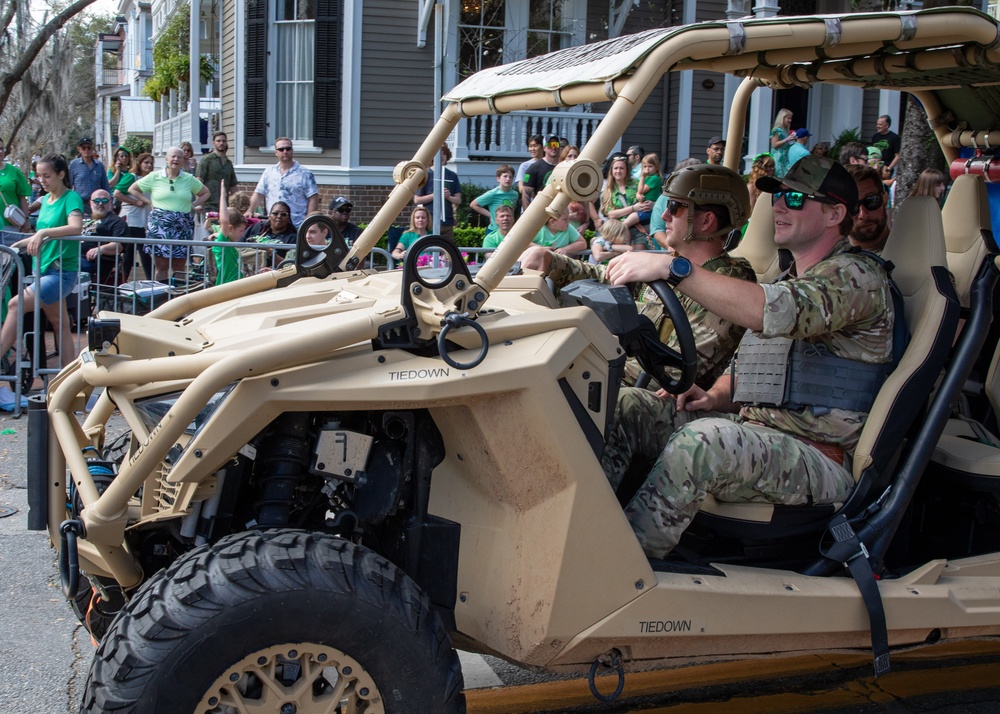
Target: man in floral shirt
286, 181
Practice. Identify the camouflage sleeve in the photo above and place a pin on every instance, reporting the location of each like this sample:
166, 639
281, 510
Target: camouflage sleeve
838, 292
566, 270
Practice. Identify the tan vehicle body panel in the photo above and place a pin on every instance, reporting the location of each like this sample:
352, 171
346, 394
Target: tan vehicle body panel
550, 573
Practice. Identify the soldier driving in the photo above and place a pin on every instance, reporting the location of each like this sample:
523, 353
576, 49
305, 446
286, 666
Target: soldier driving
834, 311
720, 203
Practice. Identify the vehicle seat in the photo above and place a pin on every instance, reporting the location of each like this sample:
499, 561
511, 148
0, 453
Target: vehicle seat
967, 447
758, 244
916, 248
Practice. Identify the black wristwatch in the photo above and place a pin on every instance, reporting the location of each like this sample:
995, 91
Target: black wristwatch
680, 268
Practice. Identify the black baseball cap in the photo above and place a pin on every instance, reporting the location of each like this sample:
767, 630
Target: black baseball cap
339, 202
83, 141
817, 176
716, 140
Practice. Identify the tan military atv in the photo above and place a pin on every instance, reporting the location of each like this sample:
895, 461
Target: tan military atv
335, 476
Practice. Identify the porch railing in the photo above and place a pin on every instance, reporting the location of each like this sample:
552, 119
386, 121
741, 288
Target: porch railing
502, 136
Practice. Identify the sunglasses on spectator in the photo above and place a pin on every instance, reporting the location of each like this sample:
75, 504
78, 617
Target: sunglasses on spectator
100, 201
675, 207
171, 184
282, 148
872, 202
796, 199
345, 209
553, 144
279, 214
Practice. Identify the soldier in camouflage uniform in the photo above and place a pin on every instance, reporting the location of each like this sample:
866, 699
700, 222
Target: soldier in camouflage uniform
701, 239
775, 454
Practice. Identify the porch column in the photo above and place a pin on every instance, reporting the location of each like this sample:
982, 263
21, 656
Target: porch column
760, 103
194, 81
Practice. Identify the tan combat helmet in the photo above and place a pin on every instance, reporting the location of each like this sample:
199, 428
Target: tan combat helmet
707, 185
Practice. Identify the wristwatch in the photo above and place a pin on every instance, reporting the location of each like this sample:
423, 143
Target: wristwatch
680, 268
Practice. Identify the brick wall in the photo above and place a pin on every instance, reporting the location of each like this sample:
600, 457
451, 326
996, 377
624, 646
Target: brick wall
367, 200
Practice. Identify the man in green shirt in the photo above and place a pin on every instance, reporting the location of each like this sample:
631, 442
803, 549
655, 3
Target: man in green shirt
215, 168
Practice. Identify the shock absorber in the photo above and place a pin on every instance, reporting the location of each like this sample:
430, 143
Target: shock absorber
284, 463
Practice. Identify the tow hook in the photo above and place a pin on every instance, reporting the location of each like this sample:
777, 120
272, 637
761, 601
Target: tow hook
69, 557
610, 660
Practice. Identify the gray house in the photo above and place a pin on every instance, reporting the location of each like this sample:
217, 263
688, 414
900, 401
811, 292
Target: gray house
353, 84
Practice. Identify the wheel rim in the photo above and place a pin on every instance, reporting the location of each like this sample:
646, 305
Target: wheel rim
300, 678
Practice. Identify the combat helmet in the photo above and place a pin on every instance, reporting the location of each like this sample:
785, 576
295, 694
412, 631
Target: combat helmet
707, 184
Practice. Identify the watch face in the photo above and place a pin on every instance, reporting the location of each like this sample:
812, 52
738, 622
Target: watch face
680, 267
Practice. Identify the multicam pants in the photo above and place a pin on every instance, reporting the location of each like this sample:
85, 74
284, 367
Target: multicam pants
698, 453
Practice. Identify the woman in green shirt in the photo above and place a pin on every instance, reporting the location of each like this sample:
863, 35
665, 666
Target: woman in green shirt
57, 262
14, 190
420, 218
119, 175
173, 195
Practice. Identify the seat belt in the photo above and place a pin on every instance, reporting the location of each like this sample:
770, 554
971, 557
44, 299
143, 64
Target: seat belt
848, 549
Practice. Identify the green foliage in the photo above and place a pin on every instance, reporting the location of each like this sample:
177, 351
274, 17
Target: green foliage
845, 137
171, 63
466, 216
137, 145
469, 236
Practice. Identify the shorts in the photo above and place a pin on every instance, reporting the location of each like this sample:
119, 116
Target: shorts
56, 284
169, 225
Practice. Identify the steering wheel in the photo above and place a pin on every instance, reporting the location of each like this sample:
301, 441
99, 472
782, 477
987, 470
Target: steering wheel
655, 357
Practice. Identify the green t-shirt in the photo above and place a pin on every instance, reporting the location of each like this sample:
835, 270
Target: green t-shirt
407, 239
227, 260
493, 199
64, 254
562, 239
493, 240
654, 187
157, 186
124, 181
13, 185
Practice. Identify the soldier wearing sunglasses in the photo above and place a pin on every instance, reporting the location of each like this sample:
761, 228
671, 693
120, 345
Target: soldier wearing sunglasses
769, 440
871, 225
702, 205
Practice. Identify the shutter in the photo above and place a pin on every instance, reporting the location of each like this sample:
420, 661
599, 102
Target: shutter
329, 64
255, 104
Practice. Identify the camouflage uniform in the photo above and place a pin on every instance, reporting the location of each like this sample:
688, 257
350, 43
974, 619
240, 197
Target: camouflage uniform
715, 339
842, 302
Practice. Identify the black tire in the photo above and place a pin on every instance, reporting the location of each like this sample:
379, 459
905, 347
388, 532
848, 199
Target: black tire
210, 624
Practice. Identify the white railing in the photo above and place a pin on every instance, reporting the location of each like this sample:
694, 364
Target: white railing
492, 136
172, 130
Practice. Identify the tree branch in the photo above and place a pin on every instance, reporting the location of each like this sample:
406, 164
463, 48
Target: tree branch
9, 80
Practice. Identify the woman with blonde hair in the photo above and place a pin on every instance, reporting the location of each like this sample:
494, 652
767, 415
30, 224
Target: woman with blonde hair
569, 153
420, 219
618, 199
781, 141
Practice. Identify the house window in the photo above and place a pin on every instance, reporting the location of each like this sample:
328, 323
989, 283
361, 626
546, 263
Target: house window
492, 32
294, 89
481, 29
293, 66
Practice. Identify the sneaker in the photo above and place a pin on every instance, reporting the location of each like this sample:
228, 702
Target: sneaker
8, 401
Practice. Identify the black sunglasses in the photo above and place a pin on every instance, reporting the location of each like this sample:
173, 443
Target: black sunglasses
796, 199
282, 148
872, 202
279, 213
171, 184
344, 209
100, 201
675, 207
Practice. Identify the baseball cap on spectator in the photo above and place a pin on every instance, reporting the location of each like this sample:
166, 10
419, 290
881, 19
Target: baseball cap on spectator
552, 138
874, 153
716, 140
800, 133
84, 141
339, 202
816, 176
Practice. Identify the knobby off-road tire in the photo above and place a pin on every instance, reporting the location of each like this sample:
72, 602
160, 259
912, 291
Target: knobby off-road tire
277, 618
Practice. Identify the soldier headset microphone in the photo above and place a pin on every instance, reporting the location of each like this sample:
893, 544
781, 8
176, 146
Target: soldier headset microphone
710, 187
